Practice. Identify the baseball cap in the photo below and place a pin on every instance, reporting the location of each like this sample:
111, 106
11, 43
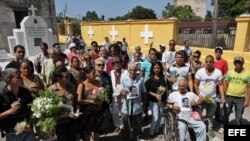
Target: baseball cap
162, 45
71, 45
239, 58
218, 47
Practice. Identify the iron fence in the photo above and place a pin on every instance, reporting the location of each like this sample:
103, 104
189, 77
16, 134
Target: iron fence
200, 34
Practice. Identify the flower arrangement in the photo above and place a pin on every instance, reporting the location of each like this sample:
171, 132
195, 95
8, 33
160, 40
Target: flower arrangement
19, 127
47, 108
99, 94
161, 90
209, 99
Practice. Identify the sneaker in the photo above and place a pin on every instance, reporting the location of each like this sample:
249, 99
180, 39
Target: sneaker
221, 130
211, 133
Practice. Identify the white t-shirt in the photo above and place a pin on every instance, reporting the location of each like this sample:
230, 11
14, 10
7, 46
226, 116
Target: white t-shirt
208, 83
183, 101
168, 57
179, 73
187, 50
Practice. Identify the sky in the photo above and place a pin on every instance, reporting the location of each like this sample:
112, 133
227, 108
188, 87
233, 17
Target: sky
110, 8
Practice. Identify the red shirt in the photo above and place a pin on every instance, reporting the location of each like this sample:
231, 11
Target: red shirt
221, 65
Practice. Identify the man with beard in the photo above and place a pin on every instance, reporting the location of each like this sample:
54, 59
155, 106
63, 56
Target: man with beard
205, 83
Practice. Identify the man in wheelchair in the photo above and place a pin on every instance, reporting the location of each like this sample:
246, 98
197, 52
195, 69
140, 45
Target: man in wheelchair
182, 102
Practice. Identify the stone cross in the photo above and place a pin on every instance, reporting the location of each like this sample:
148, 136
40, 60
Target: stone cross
90, 32
113, 33
146, 34
32, 9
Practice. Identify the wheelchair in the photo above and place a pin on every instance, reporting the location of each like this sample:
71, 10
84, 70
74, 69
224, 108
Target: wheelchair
170, 127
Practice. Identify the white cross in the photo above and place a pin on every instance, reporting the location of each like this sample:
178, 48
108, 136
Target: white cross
113, 33
91, 32
32, 9
146, 34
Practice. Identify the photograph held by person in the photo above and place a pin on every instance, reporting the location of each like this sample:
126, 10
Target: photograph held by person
66, 126
30, 80
90, 121
131, 108
175, 102
14, 107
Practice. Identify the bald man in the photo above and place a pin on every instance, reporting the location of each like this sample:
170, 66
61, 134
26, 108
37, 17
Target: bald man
178, 101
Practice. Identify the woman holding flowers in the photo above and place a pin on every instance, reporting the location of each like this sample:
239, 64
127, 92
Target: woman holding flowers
65, 128
90, 106
106, 83
155, 81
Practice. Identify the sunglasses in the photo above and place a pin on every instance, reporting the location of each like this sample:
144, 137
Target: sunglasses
99, 65
195, 56
238, 62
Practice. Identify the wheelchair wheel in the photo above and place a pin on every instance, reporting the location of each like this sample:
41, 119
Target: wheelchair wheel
169, 126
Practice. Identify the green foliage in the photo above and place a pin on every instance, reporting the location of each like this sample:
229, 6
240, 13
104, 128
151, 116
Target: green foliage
208, 16
137, 12
231, 8
91, 16
184, 13
47, 109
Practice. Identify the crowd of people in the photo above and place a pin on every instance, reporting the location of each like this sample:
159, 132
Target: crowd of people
132, 86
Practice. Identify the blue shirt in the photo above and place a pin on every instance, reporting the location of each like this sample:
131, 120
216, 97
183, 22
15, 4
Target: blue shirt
137, 103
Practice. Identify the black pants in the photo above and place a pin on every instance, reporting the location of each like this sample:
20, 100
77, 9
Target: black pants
66, 129
135, 122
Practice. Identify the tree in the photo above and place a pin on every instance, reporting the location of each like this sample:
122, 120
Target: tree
231, 8
184, 13
91, 16
137, 12
140, 12
208, 16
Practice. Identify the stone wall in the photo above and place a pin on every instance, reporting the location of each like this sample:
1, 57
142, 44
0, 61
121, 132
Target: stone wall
45, 9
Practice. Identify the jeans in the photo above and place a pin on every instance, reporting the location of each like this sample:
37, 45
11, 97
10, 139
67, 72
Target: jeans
198, 126
25, 136
156, 117
236, 102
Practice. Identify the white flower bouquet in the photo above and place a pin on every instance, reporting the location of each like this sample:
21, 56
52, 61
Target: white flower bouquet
47, 108
160, 91
19, 127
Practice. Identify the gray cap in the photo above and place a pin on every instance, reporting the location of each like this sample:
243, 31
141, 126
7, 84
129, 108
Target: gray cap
8, 74
239, 58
